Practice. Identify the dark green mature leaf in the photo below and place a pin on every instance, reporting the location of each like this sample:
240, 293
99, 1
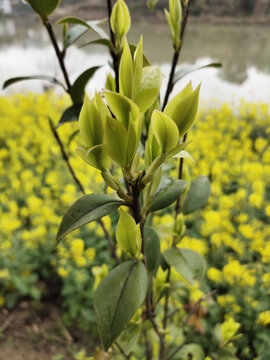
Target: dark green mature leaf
117, 298
14, 80
80, 28
71, 114
129, 337
72, 137
191, 68
168, 195
227, 353
197, 195
152, 248
77, 89
186, 262
43, 7
105, 42
133, 48
87, 209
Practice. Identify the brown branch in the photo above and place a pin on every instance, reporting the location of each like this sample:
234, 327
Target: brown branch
58, 53
176, 54
110, 241
166, 305
65, 157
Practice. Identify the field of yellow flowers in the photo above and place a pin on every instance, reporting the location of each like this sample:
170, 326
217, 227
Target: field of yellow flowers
232, 232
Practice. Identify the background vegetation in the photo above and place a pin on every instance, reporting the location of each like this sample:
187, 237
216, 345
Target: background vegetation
232, 232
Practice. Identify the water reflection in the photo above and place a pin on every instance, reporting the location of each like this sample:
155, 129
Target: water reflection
244, 51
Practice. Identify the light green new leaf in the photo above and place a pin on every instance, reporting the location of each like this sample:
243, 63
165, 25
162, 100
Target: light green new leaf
115, 140
126, 72
183, 154
150, 86
90, 124
110, 83
137, 68
197, 195
151, 4
178, 149
165, 131
152, 149
183, 108
87, 209
117, 298
186, 262
132, 140
95, 156
43, 7
176, 11
102, 107
128, 234
122, 107
168, 195
77, 89
133, 49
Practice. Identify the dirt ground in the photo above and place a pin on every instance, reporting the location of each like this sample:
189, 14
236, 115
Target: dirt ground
27, 333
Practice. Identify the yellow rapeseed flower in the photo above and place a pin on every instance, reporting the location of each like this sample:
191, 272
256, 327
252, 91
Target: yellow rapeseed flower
264, 318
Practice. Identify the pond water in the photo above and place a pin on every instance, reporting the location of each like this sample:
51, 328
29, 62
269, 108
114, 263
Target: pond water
244, 51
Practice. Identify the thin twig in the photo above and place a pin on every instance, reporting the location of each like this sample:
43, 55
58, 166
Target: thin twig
166, 305
110, 241
65, 157
122, 351
176, 54
58, 53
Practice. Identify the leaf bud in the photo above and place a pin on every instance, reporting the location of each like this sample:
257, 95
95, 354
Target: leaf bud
182, 109
120, 21
128, 235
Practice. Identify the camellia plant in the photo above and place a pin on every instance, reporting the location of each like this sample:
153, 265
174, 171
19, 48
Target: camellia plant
136, 142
